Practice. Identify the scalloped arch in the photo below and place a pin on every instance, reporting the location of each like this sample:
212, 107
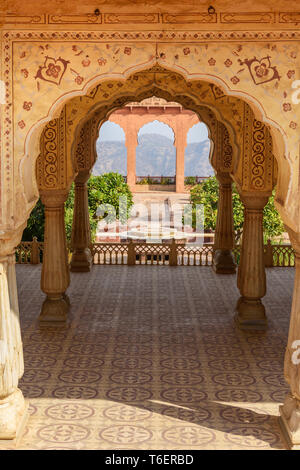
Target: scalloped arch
206, 99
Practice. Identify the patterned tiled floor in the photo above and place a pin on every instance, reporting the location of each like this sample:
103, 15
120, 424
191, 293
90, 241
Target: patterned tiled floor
151, 359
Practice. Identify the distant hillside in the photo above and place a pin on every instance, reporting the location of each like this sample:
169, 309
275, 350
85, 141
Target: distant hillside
156, 156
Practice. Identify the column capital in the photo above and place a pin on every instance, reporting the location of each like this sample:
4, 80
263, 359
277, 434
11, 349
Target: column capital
54, 198
254, 202
224, 178
82, 176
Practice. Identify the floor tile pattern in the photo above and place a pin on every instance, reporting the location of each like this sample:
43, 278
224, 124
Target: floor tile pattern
151, 359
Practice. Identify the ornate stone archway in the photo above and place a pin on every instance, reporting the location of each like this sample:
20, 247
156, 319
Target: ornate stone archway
50, 73
252, 169
132, 118
251, 312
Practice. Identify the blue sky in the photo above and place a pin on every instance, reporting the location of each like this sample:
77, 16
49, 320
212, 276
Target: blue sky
110, 131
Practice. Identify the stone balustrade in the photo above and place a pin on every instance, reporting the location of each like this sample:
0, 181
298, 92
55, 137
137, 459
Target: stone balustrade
176, 254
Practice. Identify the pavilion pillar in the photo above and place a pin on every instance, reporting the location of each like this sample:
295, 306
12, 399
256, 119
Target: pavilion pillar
251, 271
13, 410
180, 140
223, 262
290, 410
55, 270
131, 144
81, 231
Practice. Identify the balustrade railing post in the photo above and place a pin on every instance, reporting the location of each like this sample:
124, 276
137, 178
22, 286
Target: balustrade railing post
91, 247
173, 253
131, 254
34, 252
269, 254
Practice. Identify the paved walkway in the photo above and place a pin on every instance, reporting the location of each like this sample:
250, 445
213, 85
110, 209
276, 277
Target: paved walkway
151, 359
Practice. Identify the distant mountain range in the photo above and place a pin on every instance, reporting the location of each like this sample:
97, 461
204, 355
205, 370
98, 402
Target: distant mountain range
155, 156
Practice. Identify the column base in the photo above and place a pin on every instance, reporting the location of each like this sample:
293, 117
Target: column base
67, 299
250, 314
180, 189
81, 261
132, 187
55, 309
223, 262
289, 421
13, 418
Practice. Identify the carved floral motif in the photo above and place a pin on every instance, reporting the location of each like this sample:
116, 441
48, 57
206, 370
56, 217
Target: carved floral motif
52, 164
258, 156
53, 70
261, 70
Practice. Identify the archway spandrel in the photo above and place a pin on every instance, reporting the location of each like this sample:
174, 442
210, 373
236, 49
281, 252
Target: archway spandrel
56, 69
261, 74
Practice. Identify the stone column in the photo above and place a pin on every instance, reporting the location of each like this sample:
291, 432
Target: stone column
55, 271
251, 271
13, 410
131, 144
81, 231
223, 261
180, 141
290, 411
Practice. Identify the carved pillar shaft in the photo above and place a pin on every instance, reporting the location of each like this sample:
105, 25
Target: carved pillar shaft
81, 231
13, 409
55, 271
180, 148
223, 261
131, 144
290, 411
251, 272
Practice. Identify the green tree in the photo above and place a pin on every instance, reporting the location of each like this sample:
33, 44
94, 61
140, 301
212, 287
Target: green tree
272, 223
207, 194
104, 189
35, 223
